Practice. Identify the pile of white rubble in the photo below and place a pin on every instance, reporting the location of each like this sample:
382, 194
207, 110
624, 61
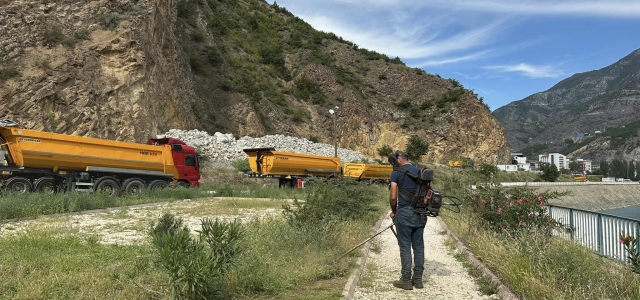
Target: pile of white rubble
225, 147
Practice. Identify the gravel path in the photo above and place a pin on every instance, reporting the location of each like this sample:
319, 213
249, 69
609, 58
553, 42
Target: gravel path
444, 276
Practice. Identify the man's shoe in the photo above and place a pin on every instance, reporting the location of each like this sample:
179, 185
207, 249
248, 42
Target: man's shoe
404, 284
417, 283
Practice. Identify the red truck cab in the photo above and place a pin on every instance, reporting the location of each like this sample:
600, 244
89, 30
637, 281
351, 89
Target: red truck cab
185, 158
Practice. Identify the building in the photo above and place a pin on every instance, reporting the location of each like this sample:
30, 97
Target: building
584, 166
508, 168
557, 159
519, 158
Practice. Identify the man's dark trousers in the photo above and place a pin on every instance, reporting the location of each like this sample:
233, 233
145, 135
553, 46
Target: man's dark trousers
410, 230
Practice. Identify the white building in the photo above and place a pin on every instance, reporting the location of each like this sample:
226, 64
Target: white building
584, 165
508, 168
557, 159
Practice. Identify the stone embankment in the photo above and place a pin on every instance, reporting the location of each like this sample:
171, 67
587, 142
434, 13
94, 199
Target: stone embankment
226, 147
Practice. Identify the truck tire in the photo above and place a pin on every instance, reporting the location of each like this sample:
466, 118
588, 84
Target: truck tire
183, 184
18, 185
158, 184
44, 184
107, 185
133, 186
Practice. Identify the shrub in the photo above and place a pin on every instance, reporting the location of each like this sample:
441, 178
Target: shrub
631, 248
313, 139
109, 21
196, 267
488, 170
385, 151
53, 36
242, 165
197, 36
382, 76
514, 210
332, 201
197, 66
405, 103
9, 73
416, 147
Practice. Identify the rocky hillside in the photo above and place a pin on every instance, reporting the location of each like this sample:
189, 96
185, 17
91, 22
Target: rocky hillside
599, 100
129, 70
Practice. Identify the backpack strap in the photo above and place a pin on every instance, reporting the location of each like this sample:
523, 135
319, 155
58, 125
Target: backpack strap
406, 195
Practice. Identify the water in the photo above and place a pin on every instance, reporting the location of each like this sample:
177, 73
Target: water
631, 212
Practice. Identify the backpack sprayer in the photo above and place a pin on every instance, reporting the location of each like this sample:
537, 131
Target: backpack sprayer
455, 201
425, 197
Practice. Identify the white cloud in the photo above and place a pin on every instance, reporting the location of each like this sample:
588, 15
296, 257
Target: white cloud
429, 42
546, 71
451, 60
610, 8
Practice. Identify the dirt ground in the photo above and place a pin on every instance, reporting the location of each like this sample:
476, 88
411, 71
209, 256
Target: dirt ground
130, 225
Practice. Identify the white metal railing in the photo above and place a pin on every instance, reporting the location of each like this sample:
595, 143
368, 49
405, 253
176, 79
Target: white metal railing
597, 231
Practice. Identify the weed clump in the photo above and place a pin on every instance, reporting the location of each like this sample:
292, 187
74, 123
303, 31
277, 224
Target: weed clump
196, 266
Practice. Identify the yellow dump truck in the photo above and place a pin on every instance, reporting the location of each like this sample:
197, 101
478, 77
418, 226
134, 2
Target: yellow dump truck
289, 166
372, 172
40, 161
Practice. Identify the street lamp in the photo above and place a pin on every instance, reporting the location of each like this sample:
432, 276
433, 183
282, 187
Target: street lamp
334, 113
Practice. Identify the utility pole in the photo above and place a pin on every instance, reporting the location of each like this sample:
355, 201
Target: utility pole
334, 114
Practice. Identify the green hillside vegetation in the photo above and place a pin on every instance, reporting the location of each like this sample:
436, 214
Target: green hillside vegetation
251, 49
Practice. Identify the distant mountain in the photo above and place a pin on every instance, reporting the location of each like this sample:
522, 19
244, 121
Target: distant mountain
598, 100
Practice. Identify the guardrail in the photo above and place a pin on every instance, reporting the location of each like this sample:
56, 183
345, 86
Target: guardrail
597, 231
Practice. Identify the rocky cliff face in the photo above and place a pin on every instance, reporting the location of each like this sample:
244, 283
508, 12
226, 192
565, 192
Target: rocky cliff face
129, 70
124, 84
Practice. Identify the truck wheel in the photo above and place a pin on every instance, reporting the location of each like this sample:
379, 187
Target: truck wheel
133, 186
44, 184
18, 185
107, 185
158, 184
183, 184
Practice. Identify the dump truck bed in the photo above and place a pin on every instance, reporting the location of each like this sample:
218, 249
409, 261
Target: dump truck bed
36, 149
269, 162
368, 171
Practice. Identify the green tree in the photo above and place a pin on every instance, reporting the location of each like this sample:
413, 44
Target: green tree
416, 147
385, 150
604, 168
573, 166
618, 169
550, 172
631, 170
568, 141
638, 170
488, 170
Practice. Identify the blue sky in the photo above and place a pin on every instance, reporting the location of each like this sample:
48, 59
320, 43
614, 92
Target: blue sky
503, 50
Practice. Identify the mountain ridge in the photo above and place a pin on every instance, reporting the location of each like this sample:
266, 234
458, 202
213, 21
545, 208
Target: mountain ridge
583, 103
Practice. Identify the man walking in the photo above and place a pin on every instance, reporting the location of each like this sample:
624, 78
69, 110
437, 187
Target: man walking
409, 223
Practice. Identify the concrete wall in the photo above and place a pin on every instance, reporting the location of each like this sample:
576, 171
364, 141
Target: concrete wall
597, 197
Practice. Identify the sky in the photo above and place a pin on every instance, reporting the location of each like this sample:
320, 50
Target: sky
504, 50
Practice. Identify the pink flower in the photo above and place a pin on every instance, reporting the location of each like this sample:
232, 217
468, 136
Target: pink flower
499, 210
520, 223
484, 202
539, 198
625, 240
511, 203
519, 201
